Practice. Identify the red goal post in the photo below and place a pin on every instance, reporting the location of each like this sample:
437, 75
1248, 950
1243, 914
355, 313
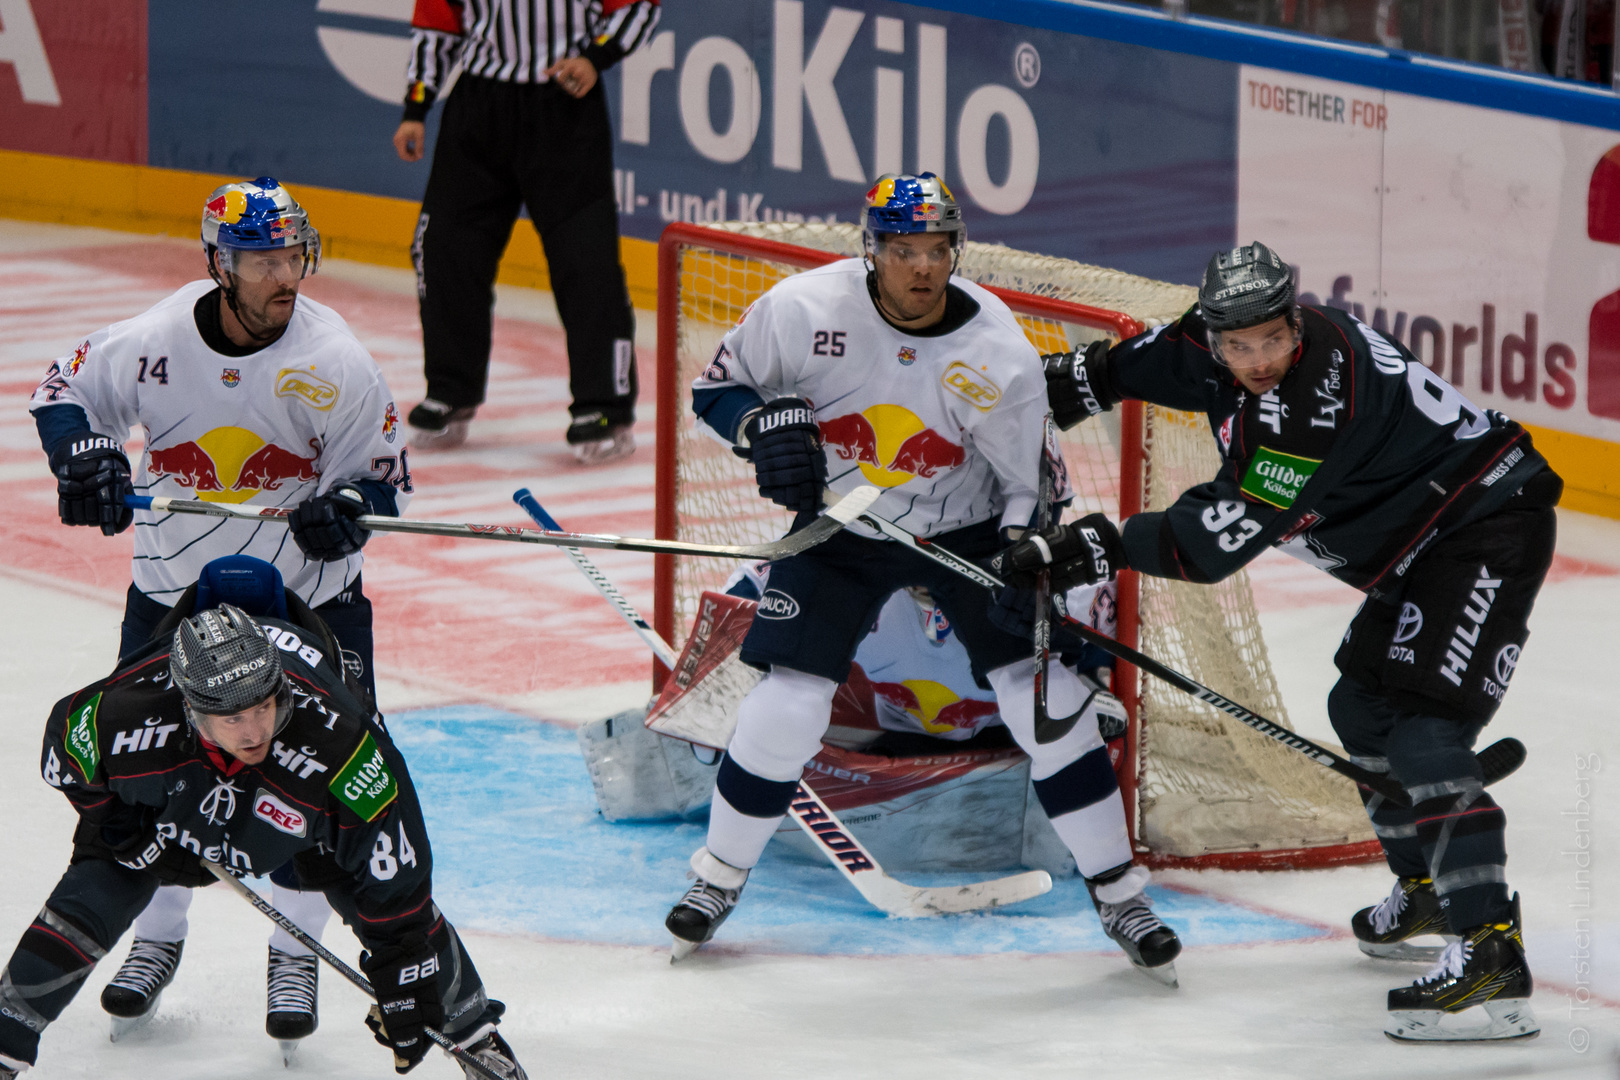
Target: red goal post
727, 251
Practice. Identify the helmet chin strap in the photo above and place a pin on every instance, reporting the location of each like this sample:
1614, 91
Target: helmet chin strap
227, 287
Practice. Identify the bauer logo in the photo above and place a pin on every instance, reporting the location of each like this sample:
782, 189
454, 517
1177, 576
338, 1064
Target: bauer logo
1278, 478
776, 604
266, 807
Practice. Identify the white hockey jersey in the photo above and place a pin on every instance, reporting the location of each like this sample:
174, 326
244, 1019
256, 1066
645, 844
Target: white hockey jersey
274, 428
951, 424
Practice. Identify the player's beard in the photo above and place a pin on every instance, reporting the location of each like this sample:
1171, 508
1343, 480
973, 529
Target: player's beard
264, 321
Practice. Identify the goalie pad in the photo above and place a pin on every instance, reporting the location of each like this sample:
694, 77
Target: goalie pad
640, 775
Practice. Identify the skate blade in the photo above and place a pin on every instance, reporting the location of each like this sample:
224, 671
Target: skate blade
1508, 1018
127, 1025
1404, 950
680, 949
1164, 974
289, 1050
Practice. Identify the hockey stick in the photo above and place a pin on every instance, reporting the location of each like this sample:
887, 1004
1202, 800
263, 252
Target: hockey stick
448, 1044
836, 517
1048, 728
832, 837
1506, 755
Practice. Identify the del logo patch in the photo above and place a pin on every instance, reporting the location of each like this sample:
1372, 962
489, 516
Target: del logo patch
365, 783
267, 807
80, 738
975, 386
1278, 478
309, 387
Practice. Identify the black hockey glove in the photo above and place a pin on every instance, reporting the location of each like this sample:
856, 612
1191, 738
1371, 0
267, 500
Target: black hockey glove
405, 979
324, 527
1084, 552
168, 862
92, 479
1077, 384
1012, 610
784, 444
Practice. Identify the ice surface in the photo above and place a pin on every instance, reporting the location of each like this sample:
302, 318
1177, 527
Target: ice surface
562, 912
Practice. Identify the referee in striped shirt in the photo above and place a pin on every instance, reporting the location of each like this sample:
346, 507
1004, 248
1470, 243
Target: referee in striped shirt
527, 126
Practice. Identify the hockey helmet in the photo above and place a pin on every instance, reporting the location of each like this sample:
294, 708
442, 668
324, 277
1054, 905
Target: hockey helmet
223, 662
256, 215
1245, 287
910, 204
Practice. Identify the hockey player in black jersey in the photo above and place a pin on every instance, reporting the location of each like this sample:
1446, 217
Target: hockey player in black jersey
1342, 449
239, 742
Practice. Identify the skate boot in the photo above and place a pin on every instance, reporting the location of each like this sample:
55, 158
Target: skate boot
1123, 907
596, 441
706, 904
437, 426
1486, 967
132, 996
1411, 910
290, 1012
493, 1053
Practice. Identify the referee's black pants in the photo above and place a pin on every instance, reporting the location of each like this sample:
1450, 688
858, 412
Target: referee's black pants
502, 146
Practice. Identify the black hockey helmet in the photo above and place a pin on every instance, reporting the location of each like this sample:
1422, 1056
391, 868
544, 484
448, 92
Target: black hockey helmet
1245, 287
223, 662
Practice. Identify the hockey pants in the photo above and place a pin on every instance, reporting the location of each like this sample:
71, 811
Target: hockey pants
96, 901
779, 728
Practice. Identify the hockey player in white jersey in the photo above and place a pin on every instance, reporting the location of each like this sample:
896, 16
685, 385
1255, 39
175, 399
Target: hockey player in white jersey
245, 392
890, 371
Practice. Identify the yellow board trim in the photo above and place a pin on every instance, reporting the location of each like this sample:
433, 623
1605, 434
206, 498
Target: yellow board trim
366, 228
1590, 468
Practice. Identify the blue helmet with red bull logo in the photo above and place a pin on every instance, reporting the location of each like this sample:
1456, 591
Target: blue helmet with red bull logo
910, 204
256, 215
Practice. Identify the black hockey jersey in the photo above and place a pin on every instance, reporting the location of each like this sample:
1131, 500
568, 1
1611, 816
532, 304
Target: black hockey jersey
1355, 463
333, 789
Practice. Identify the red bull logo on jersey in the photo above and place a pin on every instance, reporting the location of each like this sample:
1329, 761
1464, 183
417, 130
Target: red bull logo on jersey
891, 444
232, 464
936, 706
71, 368
390, 423
231, 377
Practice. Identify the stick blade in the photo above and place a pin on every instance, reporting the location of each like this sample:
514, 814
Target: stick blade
911, 902
1501, 759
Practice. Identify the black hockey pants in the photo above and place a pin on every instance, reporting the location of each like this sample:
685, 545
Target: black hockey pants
502, 146
1421, 677
96, 901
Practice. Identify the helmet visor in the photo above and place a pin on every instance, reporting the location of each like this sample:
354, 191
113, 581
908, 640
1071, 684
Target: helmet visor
1256, 347
287, 265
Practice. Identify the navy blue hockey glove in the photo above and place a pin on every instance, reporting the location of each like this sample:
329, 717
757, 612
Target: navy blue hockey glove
405, 980
1077, 385
324, 527
784, 444
92, 479
1084, 552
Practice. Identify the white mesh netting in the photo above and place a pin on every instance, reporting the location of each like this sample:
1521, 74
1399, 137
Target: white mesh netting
1207, 783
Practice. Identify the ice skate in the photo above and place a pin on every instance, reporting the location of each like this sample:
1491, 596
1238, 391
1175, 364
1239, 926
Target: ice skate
595, 441
494, 1054
437, 426
1486, 968
1411, 910
290, 1012
132, 996
1129, 920
706, 904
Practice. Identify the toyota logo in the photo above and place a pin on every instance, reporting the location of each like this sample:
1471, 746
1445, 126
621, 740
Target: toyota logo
1411, 622
1506, 661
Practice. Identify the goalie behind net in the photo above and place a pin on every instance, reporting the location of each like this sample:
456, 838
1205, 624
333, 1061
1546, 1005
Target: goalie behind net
1206, 784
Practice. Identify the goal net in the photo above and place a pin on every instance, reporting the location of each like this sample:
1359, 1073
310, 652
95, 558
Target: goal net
1204, 790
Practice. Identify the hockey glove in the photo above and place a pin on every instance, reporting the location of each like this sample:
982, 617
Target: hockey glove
405, 979
784, 443
1012, 611
1077, 385
1084, 552
324, 527
92, 479
169, 863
